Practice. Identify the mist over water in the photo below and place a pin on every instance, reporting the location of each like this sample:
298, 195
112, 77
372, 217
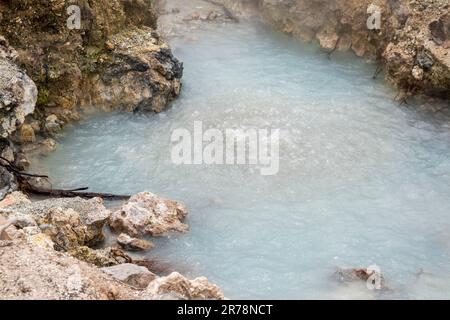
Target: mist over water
362, 181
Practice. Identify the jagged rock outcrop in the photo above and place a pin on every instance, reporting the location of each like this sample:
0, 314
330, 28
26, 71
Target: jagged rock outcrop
147, 214
411, 43
18, 93
70, 223
370, 275
45, 254
115, 60
138, 72
106, 257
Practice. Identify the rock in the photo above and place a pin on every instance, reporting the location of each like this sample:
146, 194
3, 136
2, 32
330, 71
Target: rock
27, 134
175, 286
131, 274
40, 240
22, 162
133, 244
361, 274
31, 270
102, 257
52, 124
4, 226
105, 64
440, 29
70, 222
47, 145
18, 93
425, 61
8, 153
14, 198
147, 214
65, 228
417, 73
195, 16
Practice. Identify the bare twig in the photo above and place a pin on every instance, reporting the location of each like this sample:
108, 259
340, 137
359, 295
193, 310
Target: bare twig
25, 185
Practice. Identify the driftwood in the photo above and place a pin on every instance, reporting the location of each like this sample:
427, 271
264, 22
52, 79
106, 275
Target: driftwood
23, 179
61, 193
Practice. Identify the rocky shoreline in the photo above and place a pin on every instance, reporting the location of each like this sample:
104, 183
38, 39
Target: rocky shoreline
411, 44
60, 237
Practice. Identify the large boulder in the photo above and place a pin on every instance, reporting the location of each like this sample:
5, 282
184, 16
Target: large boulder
115, 60
147, 214
70, 222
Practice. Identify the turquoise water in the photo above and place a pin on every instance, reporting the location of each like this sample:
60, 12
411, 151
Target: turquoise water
362, 180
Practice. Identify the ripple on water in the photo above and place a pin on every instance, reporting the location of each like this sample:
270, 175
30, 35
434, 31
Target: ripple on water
362, 181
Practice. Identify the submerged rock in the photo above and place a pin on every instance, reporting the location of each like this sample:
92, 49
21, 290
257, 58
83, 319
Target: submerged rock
116, 60
139, 72
133, 244
373, 278
131, 274
148, 214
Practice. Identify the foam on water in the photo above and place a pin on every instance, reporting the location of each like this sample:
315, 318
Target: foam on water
362, 181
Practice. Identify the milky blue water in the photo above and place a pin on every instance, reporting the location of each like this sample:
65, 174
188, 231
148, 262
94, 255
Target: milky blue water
362, 180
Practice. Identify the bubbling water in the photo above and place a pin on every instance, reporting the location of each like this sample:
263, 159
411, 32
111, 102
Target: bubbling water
361, 181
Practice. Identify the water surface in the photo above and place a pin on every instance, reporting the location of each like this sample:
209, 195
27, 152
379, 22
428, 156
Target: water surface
362, 181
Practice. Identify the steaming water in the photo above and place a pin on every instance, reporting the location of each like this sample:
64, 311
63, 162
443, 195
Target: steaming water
362, 181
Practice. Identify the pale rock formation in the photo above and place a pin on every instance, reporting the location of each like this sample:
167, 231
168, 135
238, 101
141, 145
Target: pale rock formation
175, 286
18, 93
130, 274
71, 222
147, 214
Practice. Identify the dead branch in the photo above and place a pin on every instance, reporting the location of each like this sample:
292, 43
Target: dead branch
23, 180
61, 193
